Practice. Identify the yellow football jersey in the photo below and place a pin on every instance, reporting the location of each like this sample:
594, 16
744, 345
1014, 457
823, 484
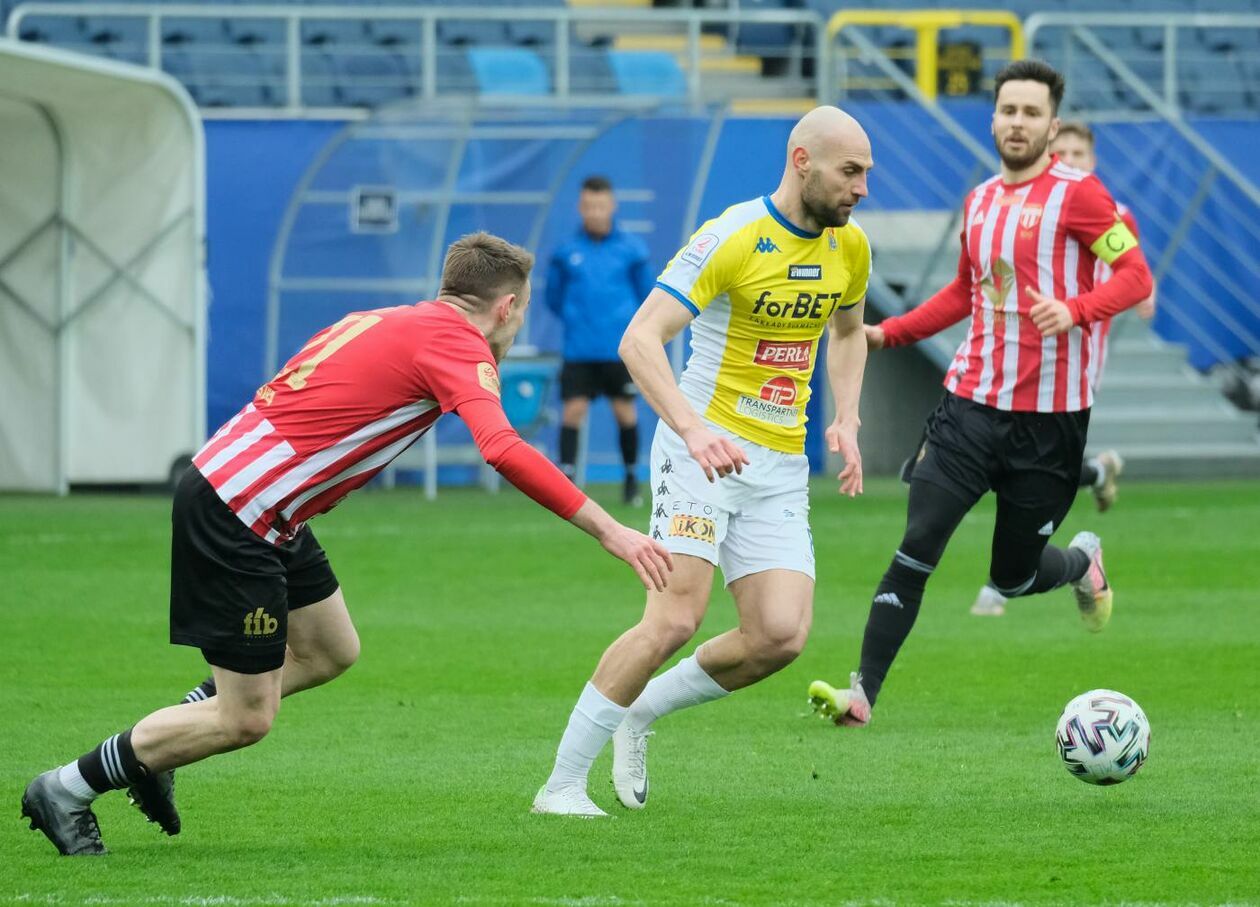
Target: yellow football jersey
762, 290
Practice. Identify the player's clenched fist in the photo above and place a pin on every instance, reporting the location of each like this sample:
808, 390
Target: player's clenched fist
1051, 316
874, 336
648, 558
717, 456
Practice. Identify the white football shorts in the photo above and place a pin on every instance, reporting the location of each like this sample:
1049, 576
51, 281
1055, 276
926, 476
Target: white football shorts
757, 520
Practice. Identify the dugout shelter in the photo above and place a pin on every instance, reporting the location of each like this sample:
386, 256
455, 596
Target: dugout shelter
102, 271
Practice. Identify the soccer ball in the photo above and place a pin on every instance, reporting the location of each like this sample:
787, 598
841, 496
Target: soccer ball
1103, 737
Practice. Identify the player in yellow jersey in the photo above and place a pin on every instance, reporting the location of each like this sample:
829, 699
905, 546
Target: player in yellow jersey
758, 285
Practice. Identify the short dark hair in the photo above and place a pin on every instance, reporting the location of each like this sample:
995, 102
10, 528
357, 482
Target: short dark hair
596, 184
1032, 71
1078, 129
481, 267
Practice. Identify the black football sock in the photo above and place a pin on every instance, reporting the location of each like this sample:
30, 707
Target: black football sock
893, 612
568, 450
203, 690
112, 765
1058, 567
629, 438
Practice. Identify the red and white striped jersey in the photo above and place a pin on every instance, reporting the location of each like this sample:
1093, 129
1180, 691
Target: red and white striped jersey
1045, 234
1101, 330
350, 401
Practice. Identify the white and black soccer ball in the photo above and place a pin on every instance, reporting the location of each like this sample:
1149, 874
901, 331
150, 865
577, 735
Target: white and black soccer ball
1103, 737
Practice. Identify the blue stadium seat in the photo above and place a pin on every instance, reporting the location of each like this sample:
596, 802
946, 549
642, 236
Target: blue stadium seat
509, 70
196, 30
1211, 84
318, 32
648, 72
249, 32
319, 80
590, 72
454, 72
370, 79
1090, 85
767, 40
61, 30
220, 77
533, 32
394, 32
472, 32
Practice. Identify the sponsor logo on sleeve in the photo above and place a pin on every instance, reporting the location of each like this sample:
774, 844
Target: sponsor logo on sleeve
775, 403
700, 249
488, 377
804, 272
793, 355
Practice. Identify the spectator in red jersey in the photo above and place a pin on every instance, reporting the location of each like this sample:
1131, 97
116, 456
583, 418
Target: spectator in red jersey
250, 585
1074, 146
1015, 413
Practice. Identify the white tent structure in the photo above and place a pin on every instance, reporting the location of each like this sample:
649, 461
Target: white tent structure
102, 271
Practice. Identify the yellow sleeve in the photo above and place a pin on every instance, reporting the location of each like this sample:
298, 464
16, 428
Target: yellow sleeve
859, 255
708, 266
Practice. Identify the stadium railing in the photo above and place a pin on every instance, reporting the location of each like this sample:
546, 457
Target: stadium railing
417, 48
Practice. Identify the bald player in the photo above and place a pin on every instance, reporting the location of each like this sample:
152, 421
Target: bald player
757, 285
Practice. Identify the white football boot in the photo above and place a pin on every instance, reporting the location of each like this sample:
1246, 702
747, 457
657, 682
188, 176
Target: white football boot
989, 603
629, 768
569, 800
1110, 465
1093, 592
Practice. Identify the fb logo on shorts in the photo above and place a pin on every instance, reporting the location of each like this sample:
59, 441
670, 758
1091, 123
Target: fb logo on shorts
260, 623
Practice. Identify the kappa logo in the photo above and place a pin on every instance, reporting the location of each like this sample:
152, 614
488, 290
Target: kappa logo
700, 528
1047, 529
766, 244
662, 489
660, 510
888, 598
260, 623
667, 467
978, 219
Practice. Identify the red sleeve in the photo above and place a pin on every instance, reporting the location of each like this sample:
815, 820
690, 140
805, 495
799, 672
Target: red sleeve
1126, 215
948, 306
1090, 213
456, 365
516, 461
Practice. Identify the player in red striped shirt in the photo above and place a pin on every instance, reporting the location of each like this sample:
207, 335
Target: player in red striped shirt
1074, 146
1014, 416
250, 585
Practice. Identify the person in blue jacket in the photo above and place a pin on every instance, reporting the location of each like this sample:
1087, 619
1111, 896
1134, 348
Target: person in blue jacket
595, 282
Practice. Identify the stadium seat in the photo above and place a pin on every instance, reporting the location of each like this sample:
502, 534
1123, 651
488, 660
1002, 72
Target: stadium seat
370, 79
509, 70
318, 32
194, 30
319, 80
250, 32
472, 32
1211, 84
394, 32
65, 31
1090, 85
647, 72
590, 72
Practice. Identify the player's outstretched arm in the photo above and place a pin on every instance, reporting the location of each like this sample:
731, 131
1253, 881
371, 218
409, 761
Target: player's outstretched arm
658, 321
538, 477
846, 361
648, 559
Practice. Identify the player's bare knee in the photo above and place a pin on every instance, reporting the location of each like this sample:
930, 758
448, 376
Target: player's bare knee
341, 658
672, 632
246, 727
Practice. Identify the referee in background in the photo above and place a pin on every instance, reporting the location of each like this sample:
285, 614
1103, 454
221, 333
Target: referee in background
595, 282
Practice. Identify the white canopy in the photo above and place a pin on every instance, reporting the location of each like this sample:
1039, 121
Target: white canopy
102, 271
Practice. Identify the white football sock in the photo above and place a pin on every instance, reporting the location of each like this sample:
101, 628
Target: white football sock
591, 725
72, 780
685, 684
1100, 471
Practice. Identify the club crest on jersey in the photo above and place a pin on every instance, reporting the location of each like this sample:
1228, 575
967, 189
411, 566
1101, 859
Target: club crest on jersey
700, 249
831, 239
1030, 216
488, 377
804, 272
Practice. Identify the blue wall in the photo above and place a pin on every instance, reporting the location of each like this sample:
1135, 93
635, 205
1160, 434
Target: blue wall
254, 167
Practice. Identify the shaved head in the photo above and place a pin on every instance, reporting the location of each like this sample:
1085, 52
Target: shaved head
828, 156
823, 128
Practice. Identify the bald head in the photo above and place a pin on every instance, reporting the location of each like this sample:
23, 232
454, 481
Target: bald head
824, 129
828, 156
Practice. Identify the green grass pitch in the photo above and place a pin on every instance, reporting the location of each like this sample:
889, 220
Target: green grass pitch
409, 780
